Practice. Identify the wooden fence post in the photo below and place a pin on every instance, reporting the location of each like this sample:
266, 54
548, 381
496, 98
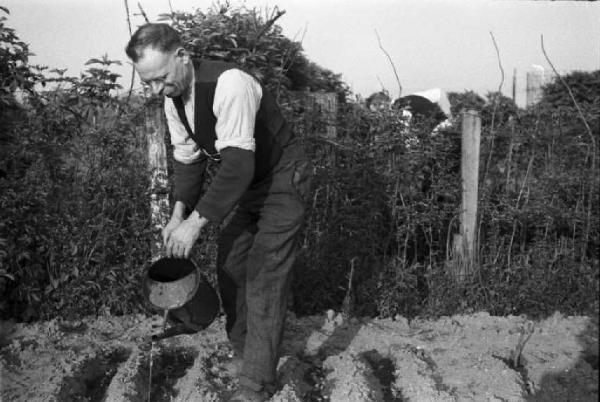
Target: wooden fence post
159, 178
464, 249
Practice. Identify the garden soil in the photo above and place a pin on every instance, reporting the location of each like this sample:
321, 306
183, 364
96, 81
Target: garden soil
474, 357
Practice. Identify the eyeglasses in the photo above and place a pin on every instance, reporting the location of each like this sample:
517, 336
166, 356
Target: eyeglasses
162, 80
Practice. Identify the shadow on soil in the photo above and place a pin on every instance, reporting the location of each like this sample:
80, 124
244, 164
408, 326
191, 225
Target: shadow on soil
157, 383
579, 384
92, 377
383, 370
314, 374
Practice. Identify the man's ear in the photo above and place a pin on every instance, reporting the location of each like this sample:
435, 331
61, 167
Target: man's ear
183, 54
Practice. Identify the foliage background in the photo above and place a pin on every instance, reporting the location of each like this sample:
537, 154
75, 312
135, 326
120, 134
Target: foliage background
75, 228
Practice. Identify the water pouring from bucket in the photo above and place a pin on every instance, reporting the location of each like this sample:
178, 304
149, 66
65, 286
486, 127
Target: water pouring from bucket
176, 287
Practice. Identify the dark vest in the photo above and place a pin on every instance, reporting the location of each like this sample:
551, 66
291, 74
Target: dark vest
271, 131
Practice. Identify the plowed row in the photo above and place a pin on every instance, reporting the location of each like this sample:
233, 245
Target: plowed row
460, 358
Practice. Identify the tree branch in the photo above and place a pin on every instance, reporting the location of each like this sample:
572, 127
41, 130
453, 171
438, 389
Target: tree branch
392, 63
268, 25
287, 59
495, 108
143, 13
499, 61
587, 126
128, 20
132, 67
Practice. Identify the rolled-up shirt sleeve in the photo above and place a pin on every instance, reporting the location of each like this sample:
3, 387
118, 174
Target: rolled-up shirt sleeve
236, 103
237, 100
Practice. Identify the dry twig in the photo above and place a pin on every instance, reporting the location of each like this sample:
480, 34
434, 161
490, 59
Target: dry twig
265, 28
128, 20
392, 63
587, 126
499, 62
492, 132
523, 184
348, 302
143, 13
495, 109
132, 68
287, 59
526, 331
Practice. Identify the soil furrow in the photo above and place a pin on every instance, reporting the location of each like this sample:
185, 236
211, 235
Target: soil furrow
414, 376
383, 369
452, 358
168, 365
351, 379
91, 379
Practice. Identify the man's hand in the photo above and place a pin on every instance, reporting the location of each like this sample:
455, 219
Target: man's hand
183, 237
171, 226
176, 219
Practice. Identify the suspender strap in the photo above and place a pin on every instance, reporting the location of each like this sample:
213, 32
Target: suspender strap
178, 102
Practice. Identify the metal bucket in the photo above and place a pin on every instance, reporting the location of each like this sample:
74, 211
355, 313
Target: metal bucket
177, 285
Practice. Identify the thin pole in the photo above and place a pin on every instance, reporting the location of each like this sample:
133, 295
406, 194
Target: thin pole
471, 138
514, 86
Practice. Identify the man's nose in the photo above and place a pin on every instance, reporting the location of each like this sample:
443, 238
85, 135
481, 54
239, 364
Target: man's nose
157, 87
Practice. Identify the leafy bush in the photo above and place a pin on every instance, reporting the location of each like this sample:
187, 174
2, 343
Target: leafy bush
249, 39
384, 197
538, 238
75, 229
15, 71
73, 217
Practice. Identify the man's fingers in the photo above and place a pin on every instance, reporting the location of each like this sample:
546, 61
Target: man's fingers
166, 234
170, 247
179, 240
174, 249
179, 251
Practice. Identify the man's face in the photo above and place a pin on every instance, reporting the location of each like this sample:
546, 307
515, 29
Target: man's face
165, 73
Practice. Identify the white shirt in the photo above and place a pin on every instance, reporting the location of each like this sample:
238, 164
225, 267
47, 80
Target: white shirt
237, 100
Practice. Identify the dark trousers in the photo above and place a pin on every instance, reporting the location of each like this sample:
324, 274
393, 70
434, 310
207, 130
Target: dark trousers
257, 249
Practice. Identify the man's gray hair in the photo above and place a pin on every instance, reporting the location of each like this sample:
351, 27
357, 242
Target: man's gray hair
161, 37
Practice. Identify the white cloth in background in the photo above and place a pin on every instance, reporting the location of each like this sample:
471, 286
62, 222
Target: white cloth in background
438, 96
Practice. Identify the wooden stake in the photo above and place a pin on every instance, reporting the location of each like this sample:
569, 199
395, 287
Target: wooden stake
159, 179
464, 249
471, 129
